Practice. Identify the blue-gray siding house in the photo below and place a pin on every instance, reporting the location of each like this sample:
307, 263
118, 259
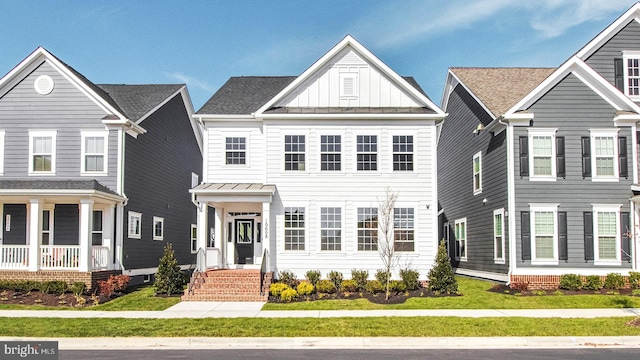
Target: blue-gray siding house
94, 179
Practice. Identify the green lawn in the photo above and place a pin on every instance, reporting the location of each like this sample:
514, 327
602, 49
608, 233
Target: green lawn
327, 327
475, 296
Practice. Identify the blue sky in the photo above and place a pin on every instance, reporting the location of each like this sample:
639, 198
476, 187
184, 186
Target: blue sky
203, 43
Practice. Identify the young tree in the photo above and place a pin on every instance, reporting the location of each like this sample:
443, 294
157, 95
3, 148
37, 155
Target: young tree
169, 278
441, 278
386, 248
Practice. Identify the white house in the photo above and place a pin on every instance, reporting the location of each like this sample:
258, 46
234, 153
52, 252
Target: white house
295, 168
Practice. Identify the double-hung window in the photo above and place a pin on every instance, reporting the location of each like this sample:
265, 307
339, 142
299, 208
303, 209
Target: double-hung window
135, 225
403, 153
477, 173
94, 152
330, 229
294, 147
403, 229
330, 147
498, 236
367, 229
604, 159
194, 238
96, 228
42, 152
631, 71
542, 148
367, 152
158, 228
294, 228
236, 151
461, 239
544, 234
606, 239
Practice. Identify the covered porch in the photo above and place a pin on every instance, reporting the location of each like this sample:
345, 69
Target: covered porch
58, 226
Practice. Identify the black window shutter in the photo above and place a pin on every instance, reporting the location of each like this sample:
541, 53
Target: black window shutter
563, 251
625, 231
524, 156
586, 156
622, 157
619, 74
525, 226
560, 171
588, 235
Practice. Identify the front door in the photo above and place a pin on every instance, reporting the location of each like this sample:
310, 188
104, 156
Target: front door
244, 241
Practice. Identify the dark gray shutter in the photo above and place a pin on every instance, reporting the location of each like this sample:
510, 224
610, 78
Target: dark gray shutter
560, 171
586, 156
563, 252
525, 230
619, 74
622, 157
625, 231
524, 156
588, 235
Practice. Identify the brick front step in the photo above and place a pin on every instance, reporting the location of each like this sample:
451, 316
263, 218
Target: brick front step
227, 285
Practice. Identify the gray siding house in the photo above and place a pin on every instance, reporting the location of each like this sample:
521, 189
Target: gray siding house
548, 167
94, 179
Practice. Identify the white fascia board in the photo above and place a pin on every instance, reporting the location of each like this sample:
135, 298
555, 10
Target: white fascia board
493, 116
219, 117
605, 35
626, 119
350, 41
129, 126
61, 192
435, 117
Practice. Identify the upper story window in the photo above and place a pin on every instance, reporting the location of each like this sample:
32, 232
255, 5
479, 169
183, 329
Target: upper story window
403, 229
349, 85
604, 159
42, 152
627, 73
158, 228
330, 228
367, 152
135, 225
330, 147
94, 152
294, 228
477, 173
294, 147
367, 229
403, 153
542, 154
236, 151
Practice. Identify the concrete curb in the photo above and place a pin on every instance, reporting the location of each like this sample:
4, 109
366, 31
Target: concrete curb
139, 343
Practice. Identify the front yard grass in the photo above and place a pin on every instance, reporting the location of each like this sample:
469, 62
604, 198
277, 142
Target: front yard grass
323, 327
475, 295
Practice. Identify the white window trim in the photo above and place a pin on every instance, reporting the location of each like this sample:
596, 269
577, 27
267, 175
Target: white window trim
466, 239
596, 242
195, 180
356, 206
138, 216
43, 133
626, 55
343, 77
477, 188
413, 207
414, 135
533, 208
498, 259
83, 163
305, 152
341, 152
191, 239
246, 150
378, 153
342, 229
1, 152
157, 219
307, 245
542, 132
594, 173
51, 209
101, 232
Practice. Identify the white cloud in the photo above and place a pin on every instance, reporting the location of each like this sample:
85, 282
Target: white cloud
191, 81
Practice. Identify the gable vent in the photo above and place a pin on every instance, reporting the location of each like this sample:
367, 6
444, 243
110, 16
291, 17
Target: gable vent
43, 84
348, 85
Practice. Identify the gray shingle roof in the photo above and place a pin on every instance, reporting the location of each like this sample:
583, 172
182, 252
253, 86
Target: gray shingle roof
55, 185
137, 100
244, 95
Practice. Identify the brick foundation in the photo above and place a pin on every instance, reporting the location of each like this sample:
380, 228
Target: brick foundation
89, 278
548, 282
228, 285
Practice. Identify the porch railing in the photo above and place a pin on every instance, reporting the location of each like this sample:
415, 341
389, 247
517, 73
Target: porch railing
14, 256
99, 257
59, 257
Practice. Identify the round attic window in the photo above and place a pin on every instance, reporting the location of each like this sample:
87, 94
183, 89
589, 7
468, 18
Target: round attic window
43, 84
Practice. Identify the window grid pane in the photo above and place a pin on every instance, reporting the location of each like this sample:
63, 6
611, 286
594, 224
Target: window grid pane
330, 225
607, 232
294, 228
544, 229
542, 152
42, 153
604, 147
403, 229
367, 153
403, 153
235, 151
633, 76
294, 147
367, 229
330, 147
497, 233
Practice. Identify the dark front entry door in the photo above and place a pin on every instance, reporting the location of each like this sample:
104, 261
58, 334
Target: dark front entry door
244, 241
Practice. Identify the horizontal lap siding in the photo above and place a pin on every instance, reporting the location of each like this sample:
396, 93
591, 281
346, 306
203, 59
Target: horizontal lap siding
67, 110
456, 148
573, 109
217, 169
626, 39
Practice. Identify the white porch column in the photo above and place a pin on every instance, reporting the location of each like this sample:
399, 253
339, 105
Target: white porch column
86, 220
202, 233
2, 222
35, 236
119, 218
108, 238
266, 227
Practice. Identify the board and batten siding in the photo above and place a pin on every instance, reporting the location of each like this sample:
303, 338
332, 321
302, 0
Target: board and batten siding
158, 167
68, 111
375, 89
573, 108
456, 148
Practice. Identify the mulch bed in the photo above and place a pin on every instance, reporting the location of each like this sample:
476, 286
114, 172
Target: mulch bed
44, 299
504, 289
380, 298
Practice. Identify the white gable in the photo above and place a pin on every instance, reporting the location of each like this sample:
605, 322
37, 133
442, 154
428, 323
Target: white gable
349, 81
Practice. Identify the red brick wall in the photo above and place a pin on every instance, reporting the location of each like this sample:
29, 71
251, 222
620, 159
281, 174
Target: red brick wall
547, 282
89, 278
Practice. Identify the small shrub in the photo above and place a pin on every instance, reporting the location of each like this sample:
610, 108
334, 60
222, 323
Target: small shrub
592, 282
374, 286
80, 300
397, 286
614, 281
336, 278
360, 277
384, 277
305, 288
441, 278
288, 277
538, 292
288, 295
325, 287
277, 288
570, 282
168, 279
635, 292
349, 285
410, 278
521, 286
78, 288
117, 283
634, 279
313, 276
54, 287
